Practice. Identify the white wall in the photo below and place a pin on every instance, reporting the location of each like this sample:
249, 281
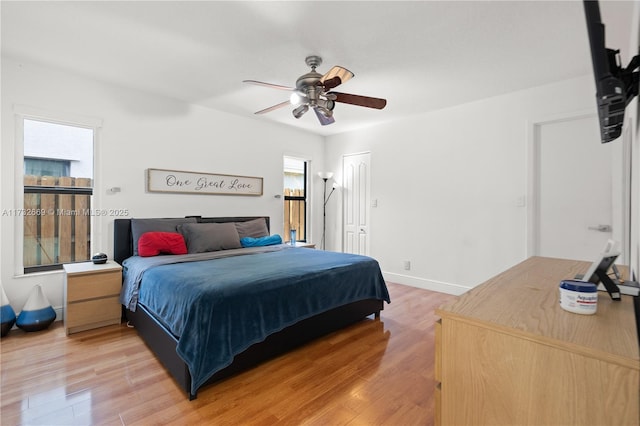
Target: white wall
447, 185
141, 131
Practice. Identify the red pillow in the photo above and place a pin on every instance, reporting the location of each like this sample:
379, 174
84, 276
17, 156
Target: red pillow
155, 243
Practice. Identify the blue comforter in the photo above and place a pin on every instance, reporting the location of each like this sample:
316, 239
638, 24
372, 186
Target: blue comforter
218, 308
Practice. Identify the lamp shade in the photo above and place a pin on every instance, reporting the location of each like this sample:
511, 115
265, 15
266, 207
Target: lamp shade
325, 175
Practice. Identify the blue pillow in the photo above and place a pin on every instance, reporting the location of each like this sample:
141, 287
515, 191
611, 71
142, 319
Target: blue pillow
261, 241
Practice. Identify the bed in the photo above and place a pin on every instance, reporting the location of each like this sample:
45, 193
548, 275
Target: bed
220, 309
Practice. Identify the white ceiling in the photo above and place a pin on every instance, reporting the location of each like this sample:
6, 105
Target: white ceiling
419, 55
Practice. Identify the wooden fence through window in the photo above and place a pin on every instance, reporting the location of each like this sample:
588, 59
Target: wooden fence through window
57, 227
294, 215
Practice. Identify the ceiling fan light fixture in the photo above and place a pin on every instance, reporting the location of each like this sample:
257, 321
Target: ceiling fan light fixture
299, 111
295, 98
324, 111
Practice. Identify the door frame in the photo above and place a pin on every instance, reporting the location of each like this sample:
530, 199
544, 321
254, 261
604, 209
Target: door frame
620, 208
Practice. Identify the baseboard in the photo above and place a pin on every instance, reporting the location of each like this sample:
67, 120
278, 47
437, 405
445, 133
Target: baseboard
432, 285
59, 312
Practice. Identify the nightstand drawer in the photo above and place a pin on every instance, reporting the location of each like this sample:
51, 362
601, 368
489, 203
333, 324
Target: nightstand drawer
94, 312
83, 287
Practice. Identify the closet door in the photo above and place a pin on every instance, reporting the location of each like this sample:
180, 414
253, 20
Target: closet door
356, 202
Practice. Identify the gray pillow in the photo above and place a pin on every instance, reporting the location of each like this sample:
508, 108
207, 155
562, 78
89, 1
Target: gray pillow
255, 228
140, 226
204, 237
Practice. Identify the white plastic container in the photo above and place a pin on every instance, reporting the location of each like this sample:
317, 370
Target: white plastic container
579, 297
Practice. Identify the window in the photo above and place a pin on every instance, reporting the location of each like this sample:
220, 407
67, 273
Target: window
58, 185
295, 198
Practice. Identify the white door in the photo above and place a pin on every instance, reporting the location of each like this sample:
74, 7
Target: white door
574, 188
356, 171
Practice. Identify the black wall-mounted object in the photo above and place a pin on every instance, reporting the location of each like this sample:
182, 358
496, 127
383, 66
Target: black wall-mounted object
615, 86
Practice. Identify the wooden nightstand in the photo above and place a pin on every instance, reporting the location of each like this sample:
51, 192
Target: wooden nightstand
305, 245
91, 295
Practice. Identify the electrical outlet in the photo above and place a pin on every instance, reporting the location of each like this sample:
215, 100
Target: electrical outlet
407, 265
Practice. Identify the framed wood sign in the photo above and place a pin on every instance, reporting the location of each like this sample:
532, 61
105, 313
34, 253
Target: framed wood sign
159, 180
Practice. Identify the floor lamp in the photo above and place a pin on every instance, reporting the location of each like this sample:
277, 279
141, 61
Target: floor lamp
325, 176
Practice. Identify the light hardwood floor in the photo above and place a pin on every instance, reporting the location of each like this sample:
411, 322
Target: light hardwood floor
376, 372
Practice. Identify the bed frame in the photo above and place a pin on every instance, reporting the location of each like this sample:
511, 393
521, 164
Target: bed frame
163, 343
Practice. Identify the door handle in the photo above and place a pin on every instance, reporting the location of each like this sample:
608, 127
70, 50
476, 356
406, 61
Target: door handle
363, 230
601, 228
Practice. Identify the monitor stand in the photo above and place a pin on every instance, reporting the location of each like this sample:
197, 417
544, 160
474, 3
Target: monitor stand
612, 288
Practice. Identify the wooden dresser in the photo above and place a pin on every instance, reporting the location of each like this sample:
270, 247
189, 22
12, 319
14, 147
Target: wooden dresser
507, 353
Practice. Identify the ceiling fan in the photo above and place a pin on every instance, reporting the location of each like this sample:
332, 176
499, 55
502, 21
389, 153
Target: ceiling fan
313, 90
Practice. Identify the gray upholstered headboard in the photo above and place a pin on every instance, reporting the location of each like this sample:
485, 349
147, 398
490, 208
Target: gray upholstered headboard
123, 239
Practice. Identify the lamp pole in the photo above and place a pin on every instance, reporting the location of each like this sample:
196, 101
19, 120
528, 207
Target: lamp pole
324, 211
325, 176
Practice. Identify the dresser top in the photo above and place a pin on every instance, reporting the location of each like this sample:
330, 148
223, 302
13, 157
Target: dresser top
524, 301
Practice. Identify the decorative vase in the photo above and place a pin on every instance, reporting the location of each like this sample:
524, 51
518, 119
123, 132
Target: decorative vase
37, 313
7, 314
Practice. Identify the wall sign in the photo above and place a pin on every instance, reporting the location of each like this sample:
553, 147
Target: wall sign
159, 180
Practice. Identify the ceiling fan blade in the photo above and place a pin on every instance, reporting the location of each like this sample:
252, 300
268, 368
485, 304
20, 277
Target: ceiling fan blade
364, 101
343, 73
323, 119
273, 86
332, 82
271, 108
